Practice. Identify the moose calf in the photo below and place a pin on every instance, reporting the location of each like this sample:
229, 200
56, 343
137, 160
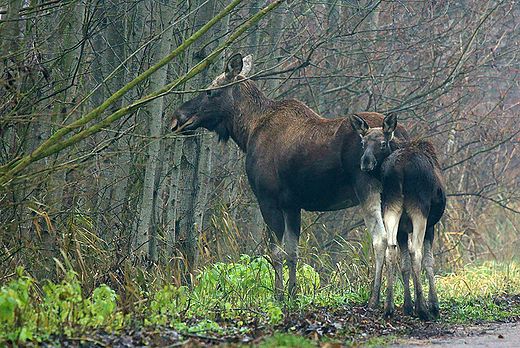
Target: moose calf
413, 201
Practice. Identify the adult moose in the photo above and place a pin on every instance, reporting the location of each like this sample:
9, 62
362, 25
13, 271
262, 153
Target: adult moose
413, 201
295, 160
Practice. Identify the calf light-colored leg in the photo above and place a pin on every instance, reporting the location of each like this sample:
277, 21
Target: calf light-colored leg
374, 222
415, 244
429, 263
406, 268
392, 215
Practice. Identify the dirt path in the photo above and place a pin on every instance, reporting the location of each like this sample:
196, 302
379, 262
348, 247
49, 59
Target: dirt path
488, 335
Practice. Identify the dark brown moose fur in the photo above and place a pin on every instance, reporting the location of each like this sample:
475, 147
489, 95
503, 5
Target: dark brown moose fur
295, 160
413, 202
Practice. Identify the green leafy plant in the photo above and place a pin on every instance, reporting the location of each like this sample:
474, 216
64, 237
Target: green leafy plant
287, 340
25, 317
15, 309
100, 309
63, 302
167, 304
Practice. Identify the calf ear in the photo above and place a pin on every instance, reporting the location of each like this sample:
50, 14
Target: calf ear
234, 66
389, 124
359, 124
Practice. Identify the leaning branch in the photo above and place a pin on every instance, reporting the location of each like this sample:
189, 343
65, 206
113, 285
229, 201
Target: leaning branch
54, 144
163, 91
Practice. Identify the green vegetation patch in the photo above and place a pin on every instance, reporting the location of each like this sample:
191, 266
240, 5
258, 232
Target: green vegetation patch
234, 302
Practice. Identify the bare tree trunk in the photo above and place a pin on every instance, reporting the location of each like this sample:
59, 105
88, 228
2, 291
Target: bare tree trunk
63, 183
188, 184
118, 156
10, 31
277, 23
145, 241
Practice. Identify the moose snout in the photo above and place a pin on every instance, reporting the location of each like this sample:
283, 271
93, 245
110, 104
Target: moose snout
174, 125
368, 163
179, 120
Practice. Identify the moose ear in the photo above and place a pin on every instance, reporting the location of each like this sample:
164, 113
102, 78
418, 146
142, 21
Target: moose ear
359, 124
234, 66
389, 124
247, 62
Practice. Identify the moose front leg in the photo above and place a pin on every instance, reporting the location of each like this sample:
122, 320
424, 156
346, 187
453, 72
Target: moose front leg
277, 254
292, 239
406, 269
275, 220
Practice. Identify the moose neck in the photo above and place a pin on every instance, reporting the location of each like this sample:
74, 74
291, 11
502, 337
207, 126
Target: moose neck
250, 106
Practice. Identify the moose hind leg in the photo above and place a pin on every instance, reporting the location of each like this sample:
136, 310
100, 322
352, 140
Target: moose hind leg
406, 268
429, 263
415, 245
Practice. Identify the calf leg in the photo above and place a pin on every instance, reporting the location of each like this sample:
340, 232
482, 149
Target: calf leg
429, 263
392, 214
374, 222
415, 245
406, 268
274, 218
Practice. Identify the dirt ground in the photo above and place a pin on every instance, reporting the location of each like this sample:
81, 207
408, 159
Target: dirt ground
486, 335
349, 325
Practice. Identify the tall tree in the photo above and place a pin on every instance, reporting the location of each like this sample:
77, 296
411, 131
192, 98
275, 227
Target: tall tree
146, 233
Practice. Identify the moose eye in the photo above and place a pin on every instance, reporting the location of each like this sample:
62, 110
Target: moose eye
384, 144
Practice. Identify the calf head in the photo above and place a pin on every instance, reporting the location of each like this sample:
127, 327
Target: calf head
375, 141
210, 107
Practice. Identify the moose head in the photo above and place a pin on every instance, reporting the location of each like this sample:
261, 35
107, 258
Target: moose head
210, 108
375, 141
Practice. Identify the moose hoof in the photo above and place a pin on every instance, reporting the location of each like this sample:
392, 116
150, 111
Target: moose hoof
408, 308
434, 311
389, 313
279, 297
423, 314
373, 303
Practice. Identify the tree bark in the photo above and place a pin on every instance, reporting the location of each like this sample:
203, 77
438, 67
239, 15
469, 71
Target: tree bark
146, 241
188, 185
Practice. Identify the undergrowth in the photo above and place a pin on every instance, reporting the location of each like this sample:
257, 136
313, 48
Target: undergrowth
480, 292
238, 292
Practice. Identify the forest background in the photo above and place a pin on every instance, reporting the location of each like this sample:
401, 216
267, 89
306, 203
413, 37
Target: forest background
92, 176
